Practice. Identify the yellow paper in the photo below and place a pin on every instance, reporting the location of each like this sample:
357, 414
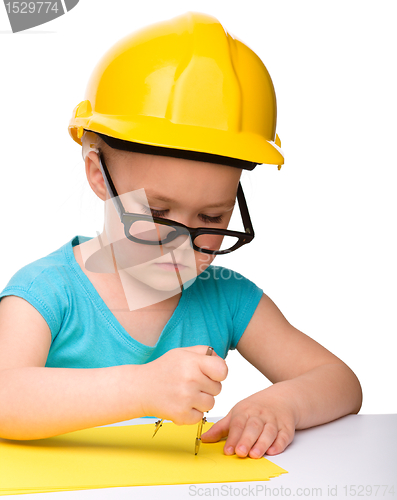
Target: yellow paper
105, 457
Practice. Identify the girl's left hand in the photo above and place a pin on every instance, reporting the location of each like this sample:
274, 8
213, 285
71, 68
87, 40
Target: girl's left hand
255, 426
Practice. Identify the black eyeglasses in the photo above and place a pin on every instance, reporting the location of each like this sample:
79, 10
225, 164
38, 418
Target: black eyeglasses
149, 230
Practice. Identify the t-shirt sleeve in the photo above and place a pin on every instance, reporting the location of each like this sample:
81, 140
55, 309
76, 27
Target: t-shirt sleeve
242, 297
41, 288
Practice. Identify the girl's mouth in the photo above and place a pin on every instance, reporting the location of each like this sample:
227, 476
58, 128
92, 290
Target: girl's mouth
170, 267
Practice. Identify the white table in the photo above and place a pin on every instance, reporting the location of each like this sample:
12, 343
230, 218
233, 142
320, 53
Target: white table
353, 457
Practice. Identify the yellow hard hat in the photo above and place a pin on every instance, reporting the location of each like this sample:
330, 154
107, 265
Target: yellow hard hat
187, 85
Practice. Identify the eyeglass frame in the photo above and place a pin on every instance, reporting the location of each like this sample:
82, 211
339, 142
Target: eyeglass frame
128, 219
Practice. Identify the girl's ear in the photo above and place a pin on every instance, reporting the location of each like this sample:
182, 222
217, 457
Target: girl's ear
94, 175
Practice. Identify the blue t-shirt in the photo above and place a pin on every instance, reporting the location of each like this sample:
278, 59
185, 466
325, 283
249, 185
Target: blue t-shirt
214, 310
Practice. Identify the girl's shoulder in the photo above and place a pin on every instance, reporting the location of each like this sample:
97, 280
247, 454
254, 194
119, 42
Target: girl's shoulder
223, 276
220, 282
40, 269
45, 284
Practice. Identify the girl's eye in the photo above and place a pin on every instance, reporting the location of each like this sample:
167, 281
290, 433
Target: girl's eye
162, 213
207, 218
154, 213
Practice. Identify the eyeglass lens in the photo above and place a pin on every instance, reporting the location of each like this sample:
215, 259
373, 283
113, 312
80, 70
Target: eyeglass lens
150, 232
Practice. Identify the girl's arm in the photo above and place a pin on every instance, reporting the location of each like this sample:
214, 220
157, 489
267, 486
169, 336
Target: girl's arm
38, 402
311, 387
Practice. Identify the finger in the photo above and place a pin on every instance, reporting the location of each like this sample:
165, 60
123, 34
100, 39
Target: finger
218, 431
210, 387
204, 402
264, 441
236, 428
214, 368
283, 439
254, 430
189, 418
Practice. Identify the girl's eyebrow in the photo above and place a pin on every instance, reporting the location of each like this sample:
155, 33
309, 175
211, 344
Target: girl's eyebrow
159, 197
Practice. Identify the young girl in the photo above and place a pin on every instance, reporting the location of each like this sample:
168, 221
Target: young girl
115, 327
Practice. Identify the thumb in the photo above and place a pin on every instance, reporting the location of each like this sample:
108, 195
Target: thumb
218, 431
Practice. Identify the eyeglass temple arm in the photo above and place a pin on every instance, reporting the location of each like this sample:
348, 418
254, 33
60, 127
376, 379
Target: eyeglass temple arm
110, 186
244, 210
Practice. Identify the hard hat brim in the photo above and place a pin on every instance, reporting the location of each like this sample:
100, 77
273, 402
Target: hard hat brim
244, 150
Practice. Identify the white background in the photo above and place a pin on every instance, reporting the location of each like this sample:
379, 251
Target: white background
325, 242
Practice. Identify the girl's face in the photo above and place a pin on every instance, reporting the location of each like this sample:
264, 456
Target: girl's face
196, 194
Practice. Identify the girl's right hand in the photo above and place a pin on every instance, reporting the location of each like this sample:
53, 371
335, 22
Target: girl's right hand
181, 385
